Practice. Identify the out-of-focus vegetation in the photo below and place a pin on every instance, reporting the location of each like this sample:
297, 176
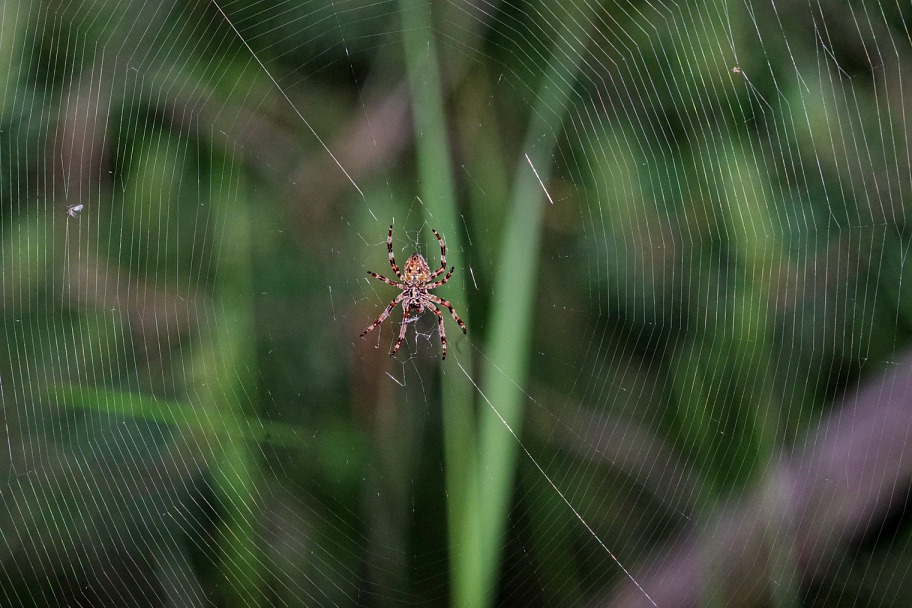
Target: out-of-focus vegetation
679, 240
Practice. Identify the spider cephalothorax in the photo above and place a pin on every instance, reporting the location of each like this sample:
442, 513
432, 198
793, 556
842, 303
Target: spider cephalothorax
415, 285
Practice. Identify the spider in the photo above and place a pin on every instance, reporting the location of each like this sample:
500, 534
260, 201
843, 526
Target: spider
415, 285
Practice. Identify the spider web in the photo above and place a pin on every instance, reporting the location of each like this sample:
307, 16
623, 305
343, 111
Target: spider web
678, 233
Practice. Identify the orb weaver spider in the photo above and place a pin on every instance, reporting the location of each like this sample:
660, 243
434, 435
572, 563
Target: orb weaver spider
416, 281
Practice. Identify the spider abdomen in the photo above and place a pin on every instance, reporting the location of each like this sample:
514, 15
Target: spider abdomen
417, 270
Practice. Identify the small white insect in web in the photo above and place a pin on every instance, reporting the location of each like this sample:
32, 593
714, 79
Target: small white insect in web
74, 210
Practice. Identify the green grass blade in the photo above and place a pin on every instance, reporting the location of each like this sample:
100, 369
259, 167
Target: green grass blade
439, 198
505, 372
224, 364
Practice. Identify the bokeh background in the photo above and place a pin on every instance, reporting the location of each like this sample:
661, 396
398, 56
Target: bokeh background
678, 233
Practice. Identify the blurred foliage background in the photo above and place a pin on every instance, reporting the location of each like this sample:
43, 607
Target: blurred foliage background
680, 248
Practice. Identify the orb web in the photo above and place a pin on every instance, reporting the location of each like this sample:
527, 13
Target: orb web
679, 238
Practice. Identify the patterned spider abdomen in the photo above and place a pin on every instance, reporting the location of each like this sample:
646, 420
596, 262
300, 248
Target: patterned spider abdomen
416, 269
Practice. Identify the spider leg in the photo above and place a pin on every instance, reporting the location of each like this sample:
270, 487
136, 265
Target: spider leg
402, 327
442, 268
384, 315
449, 306
389, 247
385, 280
440, 329
436, 284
